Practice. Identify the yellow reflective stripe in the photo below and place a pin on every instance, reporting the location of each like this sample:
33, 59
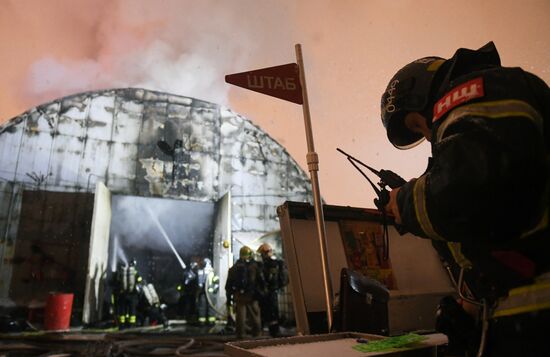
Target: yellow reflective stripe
460, 259
524, 299
132, 319
521, 309
529, 289
495, 109
419, 194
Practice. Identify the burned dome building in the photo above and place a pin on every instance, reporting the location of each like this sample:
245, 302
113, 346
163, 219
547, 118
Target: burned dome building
90, 179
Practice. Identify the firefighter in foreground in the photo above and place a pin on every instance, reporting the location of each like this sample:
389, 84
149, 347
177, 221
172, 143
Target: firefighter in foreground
126, 294
276, 278
483, 201
245, 285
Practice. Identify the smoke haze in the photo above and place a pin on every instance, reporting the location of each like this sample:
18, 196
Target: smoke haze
187, 224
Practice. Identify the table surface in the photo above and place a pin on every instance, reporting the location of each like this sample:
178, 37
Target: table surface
339, 348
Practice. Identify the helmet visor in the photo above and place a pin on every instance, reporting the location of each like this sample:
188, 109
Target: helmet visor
399, 135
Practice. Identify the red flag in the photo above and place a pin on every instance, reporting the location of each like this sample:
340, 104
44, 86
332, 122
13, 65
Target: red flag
280, 81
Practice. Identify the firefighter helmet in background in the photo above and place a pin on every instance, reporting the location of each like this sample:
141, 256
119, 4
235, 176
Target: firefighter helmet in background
245, 253
133, 262
408, 91
194, 263
207, 263
265, 250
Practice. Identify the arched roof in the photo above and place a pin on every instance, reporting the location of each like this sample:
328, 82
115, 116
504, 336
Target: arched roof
111, 135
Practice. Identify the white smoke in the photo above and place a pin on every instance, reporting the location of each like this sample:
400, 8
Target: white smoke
48, 75
117, 255
179, 47
187, 225
193, 73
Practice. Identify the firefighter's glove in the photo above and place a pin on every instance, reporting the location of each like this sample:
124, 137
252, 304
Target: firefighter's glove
392, 208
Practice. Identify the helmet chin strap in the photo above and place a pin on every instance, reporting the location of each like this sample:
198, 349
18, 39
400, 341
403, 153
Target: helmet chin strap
427, 113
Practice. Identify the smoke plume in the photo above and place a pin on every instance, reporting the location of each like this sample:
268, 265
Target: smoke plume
176, 46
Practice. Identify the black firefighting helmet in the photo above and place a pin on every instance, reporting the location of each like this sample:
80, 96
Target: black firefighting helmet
408, 91
133, 262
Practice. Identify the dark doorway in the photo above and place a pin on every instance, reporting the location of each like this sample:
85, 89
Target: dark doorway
52, 246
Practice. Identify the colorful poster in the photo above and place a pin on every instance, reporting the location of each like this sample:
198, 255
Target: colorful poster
364, 247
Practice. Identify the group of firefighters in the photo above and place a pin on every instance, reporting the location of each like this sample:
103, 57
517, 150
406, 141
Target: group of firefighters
252, 287
252, 290
135, 301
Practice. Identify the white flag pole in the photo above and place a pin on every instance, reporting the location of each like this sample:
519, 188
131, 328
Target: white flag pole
313, 167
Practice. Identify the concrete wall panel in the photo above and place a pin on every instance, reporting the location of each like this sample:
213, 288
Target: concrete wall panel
10, 145
100, 118
34, 156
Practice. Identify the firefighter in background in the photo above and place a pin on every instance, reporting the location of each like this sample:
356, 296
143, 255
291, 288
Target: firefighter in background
484, 199
245, 285
151, 310
188, 292
276, 278
208, 285
126, 294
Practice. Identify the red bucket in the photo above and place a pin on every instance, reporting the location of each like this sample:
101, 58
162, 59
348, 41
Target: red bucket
57, 315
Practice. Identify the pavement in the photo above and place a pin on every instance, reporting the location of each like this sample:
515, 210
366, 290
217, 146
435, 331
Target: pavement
179, 339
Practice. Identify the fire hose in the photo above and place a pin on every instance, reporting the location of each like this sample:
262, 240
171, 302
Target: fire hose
209, 299
169, 347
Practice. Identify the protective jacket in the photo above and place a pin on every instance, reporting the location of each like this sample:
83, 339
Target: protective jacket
276, 278
275, 273
484, 198
189, 285
245, 280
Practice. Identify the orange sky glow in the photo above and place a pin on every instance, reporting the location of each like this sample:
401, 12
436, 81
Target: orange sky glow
53, 48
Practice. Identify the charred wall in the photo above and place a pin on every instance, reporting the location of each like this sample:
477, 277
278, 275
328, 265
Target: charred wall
112, 136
